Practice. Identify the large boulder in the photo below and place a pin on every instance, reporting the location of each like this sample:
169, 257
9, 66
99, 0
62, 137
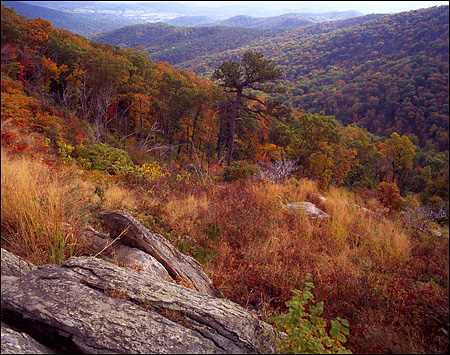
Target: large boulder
123, 255
89, 305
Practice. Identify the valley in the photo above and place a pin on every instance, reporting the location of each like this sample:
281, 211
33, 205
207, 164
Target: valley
213, 137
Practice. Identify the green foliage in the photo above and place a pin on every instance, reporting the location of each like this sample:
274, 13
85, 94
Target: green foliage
400, 152
306, 331
13, 26
179, 44
252, 70
252, 74
239, 171
308, 133
213, 232
64, 149
388, 74
104, 158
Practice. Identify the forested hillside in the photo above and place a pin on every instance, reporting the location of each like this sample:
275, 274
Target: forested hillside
176, 45
88, 127
180, 45
389, 74
120, 93
78, 23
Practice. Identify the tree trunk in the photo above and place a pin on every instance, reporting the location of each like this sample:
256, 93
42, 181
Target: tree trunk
232, 130
193, 133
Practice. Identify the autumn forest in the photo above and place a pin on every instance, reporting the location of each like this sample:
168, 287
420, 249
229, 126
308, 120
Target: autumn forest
354, 110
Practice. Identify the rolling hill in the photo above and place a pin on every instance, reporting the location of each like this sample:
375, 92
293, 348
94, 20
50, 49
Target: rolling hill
388, 74
92, 17
82, 24
179, 45
289, 20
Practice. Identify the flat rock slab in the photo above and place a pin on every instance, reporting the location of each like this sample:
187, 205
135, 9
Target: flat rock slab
96, 307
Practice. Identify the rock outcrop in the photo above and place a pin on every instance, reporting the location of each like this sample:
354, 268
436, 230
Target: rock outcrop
124, 255
12, 265
21, 343
90, 305
179, 266
309, 209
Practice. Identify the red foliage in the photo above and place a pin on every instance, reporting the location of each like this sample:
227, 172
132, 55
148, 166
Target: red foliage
389, 196
111, 113
8, 137
21, 147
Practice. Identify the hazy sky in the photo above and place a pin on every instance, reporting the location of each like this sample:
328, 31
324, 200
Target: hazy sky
366, 7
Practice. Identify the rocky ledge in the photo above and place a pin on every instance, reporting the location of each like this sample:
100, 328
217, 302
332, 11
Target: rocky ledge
90, 305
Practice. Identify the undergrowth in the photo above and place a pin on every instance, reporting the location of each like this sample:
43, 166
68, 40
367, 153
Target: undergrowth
369, 264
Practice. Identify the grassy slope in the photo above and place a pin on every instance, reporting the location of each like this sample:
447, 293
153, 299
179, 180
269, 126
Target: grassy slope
389, 281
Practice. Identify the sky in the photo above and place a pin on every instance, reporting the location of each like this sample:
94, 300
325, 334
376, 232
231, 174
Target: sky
366, 7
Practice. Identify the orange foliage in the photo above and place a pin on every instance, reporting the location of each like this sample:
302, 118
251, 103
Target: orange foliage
38, 31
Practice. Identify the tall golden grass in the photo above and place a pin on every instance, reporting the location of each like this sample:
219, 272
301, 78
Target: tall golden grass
40, 210
254, 249
43, 208
362, 262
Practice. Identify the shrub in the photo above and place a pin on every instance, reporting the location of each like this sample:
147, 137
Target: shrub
389, 196
279, 170
305, 331
104, 158
239, 171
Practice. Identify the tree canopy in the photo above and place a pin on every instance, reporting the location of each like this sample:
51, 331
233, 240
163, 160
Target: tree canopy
252, 73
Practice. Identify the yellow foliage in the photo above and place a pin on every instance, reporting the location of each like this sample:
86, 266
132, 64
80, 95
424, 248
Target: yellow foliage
50, 71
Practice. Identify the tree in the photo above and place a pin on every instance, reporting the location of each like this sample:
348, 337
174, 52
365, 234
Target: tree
399, 152
252, 73
307, 134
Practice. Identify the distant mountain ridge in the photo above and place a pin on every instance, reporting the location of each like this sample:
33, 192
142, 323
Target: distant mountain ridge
388, 75
289, 20
105, 17
180, 45
82, 24
175, 45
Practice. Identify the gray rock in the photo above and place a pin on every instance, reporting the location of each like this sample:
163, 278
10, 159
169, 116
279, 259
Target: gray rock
99, 307
123, 254
436, 233
179, 266
20, 343
309, 209
12, 265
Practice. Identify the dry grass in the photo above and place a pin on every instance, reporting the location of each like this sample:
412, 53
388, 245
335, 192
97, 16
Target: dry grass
188, 208
366, 268
362, 262
36, 204
44, 207
119, 198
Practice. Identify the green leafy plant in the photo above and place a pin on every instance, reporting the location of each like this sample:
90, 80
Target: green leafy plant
305, 331
103, 158
239, 171
213, 232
